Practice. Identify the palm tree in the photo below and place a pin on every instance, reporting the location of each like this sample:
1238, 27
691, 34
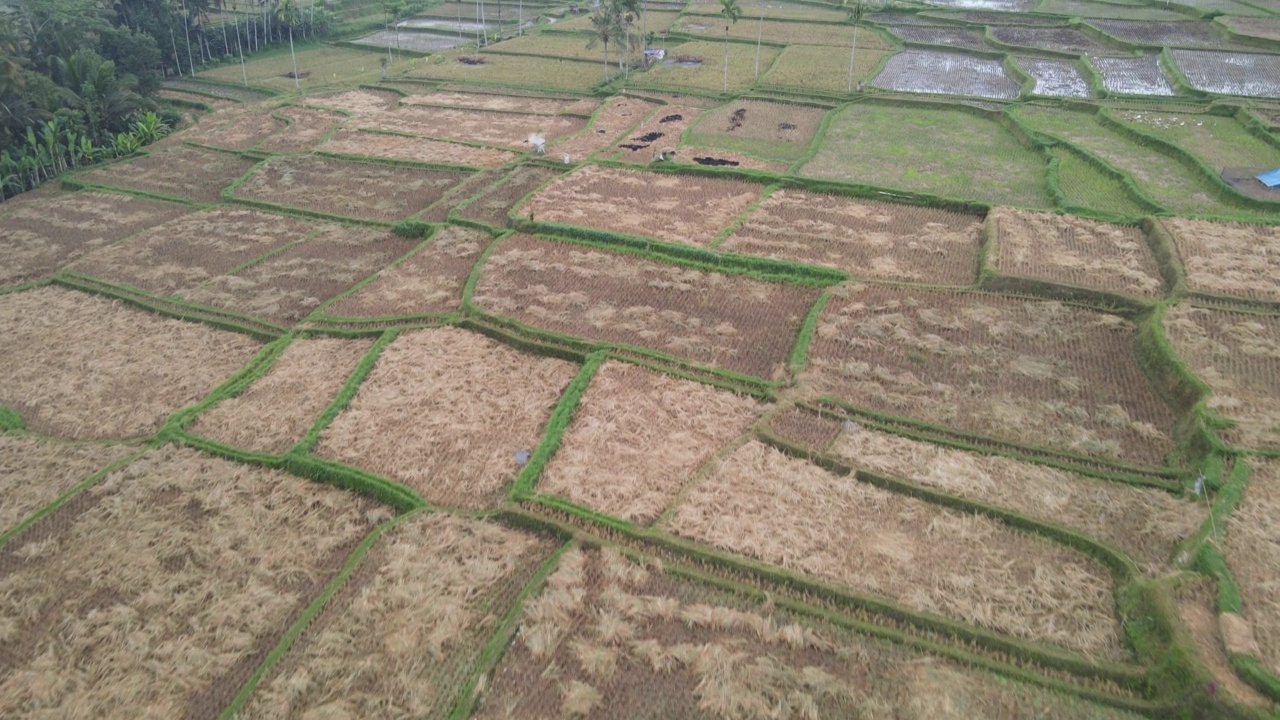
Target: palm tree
628, 10
606, 26
731, 11
287, 13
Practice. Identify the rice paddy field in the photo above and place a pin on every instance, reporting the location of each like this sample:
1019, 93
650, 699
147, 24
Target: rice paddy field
495, 382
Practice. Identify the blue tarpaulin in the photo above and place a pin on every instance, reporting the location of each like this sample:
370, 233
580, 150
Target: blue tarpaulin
1271, 179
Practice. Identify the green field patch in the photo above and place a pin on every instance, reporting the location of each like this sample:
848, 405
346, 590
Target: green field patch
820, 69
1084, 184
773, 131
786, 33
944, 152
557, 44
1222, 142
510, 70
1115, 11
700, 66
655, 21
318, 67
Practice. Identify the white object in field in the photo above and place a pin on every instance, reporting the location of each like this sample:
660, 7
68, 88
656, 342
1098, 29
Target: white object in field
566, 158
538, 142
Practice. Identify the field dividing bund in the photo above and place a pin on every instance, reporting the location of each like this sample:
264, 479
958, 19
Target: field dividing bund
1235, 354
38, 240
181, 172
744, 325
307, 127
376, 648
493, 205
427, 284
1089, 185
35, 472
969, 156
765, 504
1146, 523
1072, 253
637, 437
1228, 260
684, 209
624, 635
370, 191
1032, 372
446, 412
507, 130
165, 584
864, 238
85, 367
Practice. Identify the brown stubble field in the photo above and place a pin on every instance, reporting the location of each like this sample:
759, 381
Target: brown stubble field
1237, 355
180, 171
1032, 372
738, 323
865, 238
163, 586
1252, 551
528, 105
612, 119
378, 650
496, 129
369, 143
1233, 259
34, 471
278, 409
660, 132
243, 131
1074, 251
638, 436
786, 511
37, 240
288, 286
445, 411
369, 191
493, 205
675, 208
84, 367
428, 283
307, 128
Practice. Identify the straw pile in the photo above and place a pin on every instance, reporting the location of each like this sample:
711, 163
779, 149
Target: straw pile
34, 472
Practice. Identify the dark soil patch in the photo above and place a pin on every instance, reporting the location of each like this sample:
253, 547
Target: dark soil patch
301, 75
1246, 181
738, 117
671, 118
472, 60
649, 137
633, 147
716, 162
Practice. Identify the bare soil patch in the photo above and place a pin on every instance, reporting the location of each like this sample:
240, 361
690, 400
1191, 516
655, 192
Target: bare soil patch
1252, 550
37, 239
35, 471
612, 119
1238, 356
610, 638
165, 585
499, 129
286, 287
445, 411
1225, 258
659, 133
496, 203
192, 249
84, 367
400, 147
501, 103
1038, 373
338, 187
716, 157
1197, 607
360, 102
278, 409
428, 283
1143, 522
1074, 251
863, 237
378, 650
676, 208
786, 511
307, 127
734, 322
637, 438
180, 171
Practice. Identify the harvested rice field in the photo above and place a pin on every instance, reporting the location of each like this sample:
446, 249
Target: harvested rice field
1075, 252
610, 637
360, 102
614, 117
676, 208
507, 130
372, 144
1036, 373
195, 248
1145, 523
1252, 551
39, 239
864, 238
369, 191
637, 438
429, 282
307, 127
1230, 259
181, 171
658, 134
164, 585
87, 368
286, 287
769, 130
244, 131
446, 412
1235, 354
494, 204
737, 323
786, 511
526, 104
278, 408
378, 650
35, 471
